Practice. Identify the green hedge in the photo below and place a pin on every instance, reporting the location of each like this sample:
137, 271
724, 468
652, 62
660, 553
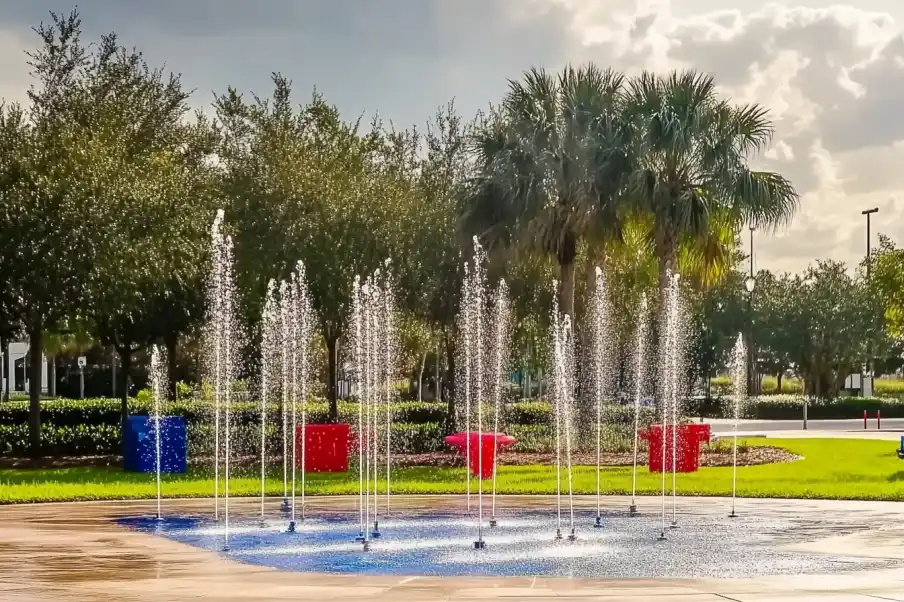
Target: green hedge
104, 411
91, 427
790, 407
103, 440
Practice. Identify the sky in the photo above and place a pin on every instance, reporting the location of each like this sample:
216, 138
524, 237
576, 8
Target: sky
832, 74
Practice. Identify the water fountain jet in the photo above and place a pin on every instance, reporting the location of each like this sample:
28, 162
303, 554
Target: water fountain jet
738, 367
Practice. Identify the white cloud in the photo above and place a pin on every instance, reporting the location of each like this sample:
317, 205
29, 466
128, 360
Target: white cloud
833, 78
14, 71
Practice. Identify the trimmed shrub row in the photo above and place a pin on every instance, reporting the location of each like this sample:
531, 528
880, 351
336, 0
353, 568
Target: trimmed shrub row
103, 411
790, 407
103, 440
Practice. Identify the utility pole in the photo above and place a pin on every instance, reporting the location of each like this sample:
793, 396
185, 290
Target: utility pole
750, 285
869, 264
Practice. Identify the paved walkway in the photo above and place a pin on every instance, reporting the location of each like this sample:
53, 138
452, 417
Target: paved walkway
74, 553
892, 429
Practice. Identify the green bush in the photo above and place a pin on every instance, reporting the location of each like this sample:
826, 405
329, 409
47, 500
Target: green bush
105, 411
80, 440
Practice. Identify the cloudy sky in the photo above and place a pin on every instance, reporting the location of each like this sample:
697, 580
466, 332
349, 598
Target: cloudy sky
832, 73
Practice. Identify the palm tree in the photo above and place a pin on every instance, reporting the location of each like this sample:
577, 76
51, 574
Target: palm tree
692, 152
551, 162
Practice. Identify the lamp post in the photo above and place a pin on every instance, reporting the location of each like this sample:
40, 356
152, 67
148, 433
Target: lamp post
750, 285
869, 262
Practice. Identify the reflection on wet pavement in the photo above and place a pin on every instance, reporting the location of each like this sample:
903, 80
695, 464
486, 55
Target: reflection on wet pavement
76, 552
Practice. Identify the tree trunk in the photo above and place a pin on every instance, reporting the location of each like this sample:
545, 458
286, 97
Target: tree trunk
35, 349
125, 364
332, 370
51, 376
420, 378
4, 371
668, 260
9, 372
778, 383
450, 378
438, 381
172, 349
566, 255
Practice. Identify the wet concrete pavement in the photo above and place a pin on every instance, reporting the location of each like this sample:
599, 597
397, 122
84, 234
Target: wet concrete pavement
75, 552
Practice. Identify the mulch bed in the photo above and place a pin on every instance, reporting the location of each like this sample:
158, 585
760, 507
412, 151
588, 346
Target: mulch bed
752, 456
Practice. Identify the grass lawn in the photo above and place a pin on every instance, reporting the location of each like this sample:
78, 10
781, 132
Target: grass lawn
831, 468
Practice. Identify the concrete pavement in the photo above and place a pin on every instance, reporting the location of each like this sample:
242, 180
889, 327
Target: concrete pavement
74, 552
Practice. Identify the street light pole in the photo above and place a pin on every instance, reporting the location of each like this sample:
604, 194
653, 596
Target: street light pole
750, 284
869, 262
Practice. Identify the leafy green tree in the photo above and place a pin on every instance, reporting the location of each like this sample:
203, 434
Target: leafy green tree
719, 315
52, 221
552, 162
307, 185
776, 326
887, 283
693, 150
430, 256
833, 316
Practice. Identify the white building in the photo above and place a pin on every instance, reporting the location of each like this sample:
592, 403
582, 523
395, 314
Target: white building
17, 354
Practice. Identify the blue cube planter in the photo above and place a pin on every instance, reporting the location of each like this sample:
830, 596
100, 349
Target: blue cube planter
141, 444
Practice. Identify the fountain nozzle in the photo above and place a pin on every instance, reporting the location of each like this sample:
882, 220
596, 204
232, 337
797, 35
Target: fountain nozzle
493, 522
572, 536
558, 533
376, 531
480, 544
599, 522
291, 526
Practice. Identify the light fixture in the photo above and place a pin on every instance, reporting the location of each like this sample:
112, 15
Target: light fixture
750, 284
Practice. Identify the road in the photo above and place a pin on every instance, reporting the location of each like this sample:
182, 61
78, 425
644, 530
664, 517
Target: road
888, 424
892, 428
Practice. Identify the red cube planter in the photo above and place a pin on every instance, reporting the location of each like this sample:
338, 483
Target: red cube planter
326, 447
482, 450
689, 437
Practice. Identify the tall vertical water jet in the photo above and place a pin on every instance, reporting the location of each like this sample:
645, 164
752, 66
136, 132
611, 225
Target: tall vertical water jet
157, 389
357, 354
562, 336
298, 311
738, 368
228, 309
292, 318
478, 317
285, 341
304, 309
374, 349
677, 377
477, 365
220, 345
640, 344
501, 322
374, 340
390, 362
602, 369
268, 351
466, 328
671, 347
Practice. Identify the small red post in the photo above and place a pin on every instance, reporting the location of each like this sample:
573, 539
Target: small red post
864, 420
878, 419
